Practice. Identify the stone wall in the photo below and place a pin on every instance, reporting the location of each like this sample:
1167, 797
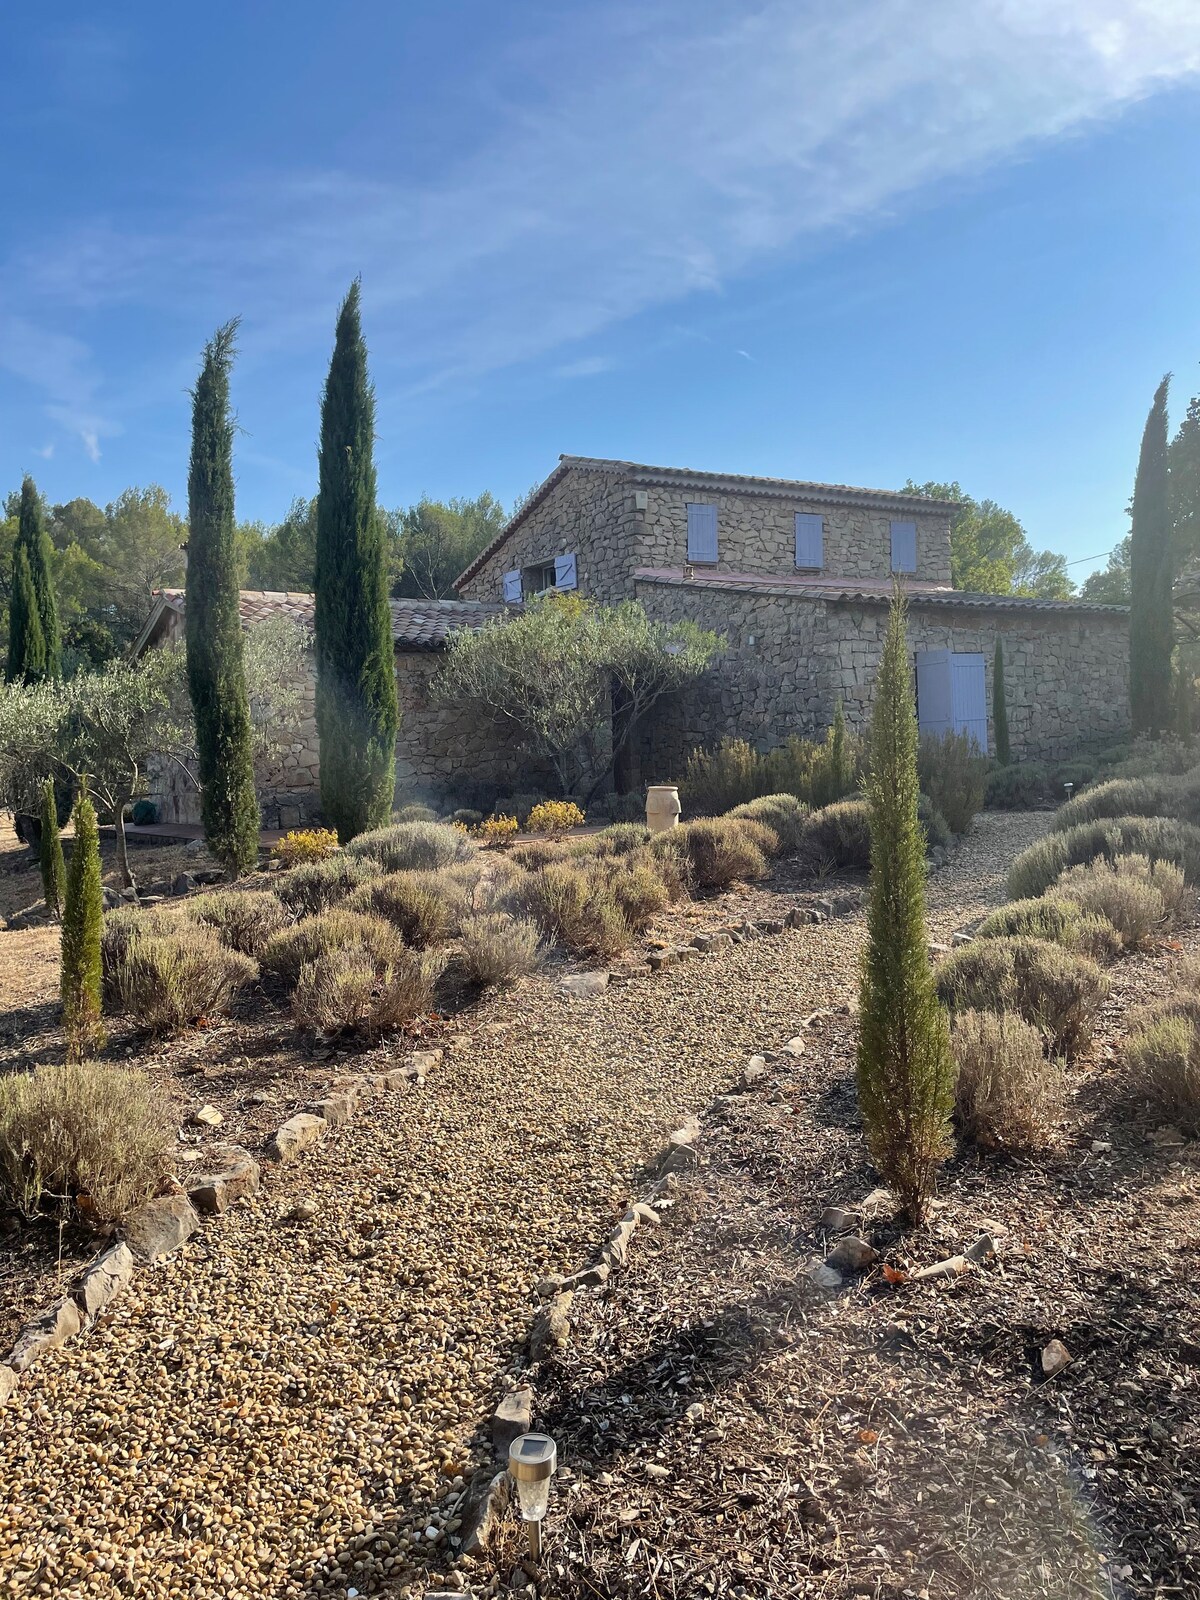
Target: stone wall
590, 514
757, 533
790, 658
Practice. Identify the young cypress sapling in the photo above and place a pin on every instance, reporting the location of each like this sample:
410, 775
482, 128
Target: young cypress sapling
83, 916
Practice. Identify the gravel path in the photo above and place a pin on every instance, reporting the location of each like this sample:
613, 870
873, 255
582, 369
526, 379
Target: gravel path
287, 1409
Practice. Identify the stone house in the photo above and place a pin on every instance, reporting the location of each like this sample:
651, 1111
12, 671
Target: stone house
440, 748
798, 578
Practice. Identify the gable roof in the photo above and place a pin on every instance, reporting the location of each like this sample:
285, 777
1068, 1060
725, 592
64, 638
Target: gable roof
416, 624
636, 472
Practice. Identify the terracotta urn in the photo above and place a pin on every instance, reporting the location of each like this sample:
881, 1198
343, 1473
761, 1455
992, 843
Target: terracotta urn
662, 807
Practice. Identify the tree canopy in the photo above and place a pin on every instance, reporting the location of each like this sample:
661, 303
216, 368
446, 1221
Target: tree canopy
990, 552
438, 538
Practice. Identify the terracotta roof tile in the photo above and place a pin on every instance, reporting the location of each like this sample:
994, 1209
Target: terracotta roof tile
416, 624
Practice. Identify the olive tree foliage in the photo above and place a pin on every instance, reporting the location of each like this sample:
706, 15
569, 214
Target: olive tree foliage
550, 677
117, 724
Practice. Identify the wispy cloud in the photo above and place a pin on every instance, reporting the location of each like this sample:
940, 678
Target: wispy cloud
671, 149
59, 367
586, 367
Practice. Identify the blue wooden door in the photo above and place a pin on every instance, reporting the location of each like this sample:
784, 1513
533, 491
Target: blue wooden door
952, 694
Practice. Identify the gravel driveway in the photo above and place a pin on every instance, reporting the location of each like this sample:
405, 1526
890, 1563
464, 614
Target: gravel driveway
286, 1408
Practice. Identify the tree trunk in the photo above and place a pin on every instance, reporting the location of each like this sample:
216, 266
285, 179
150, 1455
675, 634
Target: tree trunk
122, 847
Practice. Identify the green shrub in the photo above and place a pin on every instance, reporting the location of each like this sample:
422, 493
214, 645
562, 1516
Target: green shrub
619, 840
571, 903
425, 906
1057, 922
413, 846
1017, 788
168, 981
815, 773
714, 781
338, 929
498, 949
1119, 797
952, 772
782, 813
88, 1135
1159, 838
1056, 990
1163, 1054
1075, 773
50, 852
118, 929
725, 850
1147, 758
539, 853
937, 829
320, 885
1129, 900
243, 919
465, 817
638, 891
838, 835
349, 988
1008, 1096
414, 812
82, 921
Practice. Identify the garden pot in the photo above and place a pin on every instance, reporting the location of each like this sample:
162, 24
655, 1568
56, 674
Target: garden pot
662, 807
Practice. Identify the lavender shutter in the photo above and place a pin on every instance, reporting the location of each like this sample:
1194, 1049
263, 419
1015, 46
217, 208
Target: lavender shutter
904, 547
702, 533
564, 572
934, 701
810, 539
512, 585
968, 697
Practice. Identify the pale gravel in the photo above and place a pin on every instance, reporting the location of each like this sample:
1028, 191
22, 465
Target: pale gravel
283, 1409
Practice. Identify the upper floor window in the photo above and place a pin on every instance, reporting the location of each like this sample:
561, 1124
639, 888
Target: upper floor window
540, 576
701, 533
904, 547
810, 540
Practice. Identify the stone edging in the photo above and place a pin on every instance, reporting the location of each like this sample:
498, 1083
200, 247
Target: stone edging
825, 907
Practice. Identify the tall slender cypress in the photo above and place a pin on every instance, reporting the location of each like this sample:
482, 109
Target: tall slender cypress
905, 1069
357, 713
216, 674
1000, 707
1152, 575
50, 852
34, 651
83, 917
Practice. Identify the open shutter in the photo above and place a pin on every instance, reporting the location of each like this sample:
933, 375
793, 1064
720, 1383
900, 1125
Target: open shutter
934, 707
810, 539
968, 697
564, 572
702, 533
512, 584
904, 547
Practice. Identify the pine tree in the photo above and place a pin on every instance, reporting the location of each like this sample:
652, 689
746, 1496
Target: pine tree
83, 915
905, 1069
50, 850
1152, 573
216, 673
34, 652
26, 642
357, 714
1000, 707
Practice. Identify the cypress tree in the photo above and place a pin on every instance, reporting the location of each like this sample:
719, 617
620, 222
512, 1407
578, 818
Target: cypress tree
33, 652
83, 915
216, 673
1152, 574
1000, 707
26, 642
905, 1069
357, 714
50, 850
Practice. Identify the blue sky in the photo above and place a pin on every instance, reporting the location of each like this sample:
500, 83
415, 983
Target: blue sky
852, 243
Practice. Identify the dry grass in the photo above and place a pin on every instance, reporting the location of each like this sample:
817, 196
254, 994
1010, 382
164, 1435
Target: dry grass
1164, 1058
90, 1137
349, 989
1054, 989
120, 926
725, 850
169, 981
243, 919
498, 949
1009, 1096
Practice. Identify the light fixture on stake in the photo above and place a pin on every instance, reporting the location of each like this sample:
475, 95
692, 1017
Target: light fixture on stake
1070, 788
532, 1462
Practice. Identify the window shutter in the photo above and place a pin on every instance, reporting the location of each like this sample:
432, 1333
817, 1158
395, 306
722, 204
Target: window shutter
904, 547
702, 533
810, 539
512, 584
564, 572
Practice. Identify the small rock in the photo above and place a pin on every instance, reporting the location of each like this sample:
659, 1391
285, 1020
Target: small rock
686, 952
824, 1277
110, 899
678, 1158
551, 1329
335, 1109
103, 1279
645, 1213
585, 985
937, 951
547, 1288
771, 925
302, 1211
1101, 1147
959, 939
1055, 1357
230, 1172
834, 1219
593, 1277
851, 1254
160, 1226
298, 1133
982, 1250
795, 1047
687, 1133
754, 1072
207, 1117
484, 1511
703, 942
655, 1470
658, 959
46, 1332
184, 883
8, 1382
952, 1267
879, 1203
511, 1418
195, 847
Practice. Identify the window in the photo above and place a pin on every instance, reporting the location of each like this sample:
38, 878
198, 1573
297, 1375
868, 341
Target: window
904, 547
561, 572
701, 533
810, 540
539, 578
952, 694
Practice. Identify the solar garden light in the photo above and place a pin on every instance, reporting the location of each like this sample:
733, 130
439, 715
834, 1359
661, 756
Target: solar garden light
1070, 788
532, 1462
